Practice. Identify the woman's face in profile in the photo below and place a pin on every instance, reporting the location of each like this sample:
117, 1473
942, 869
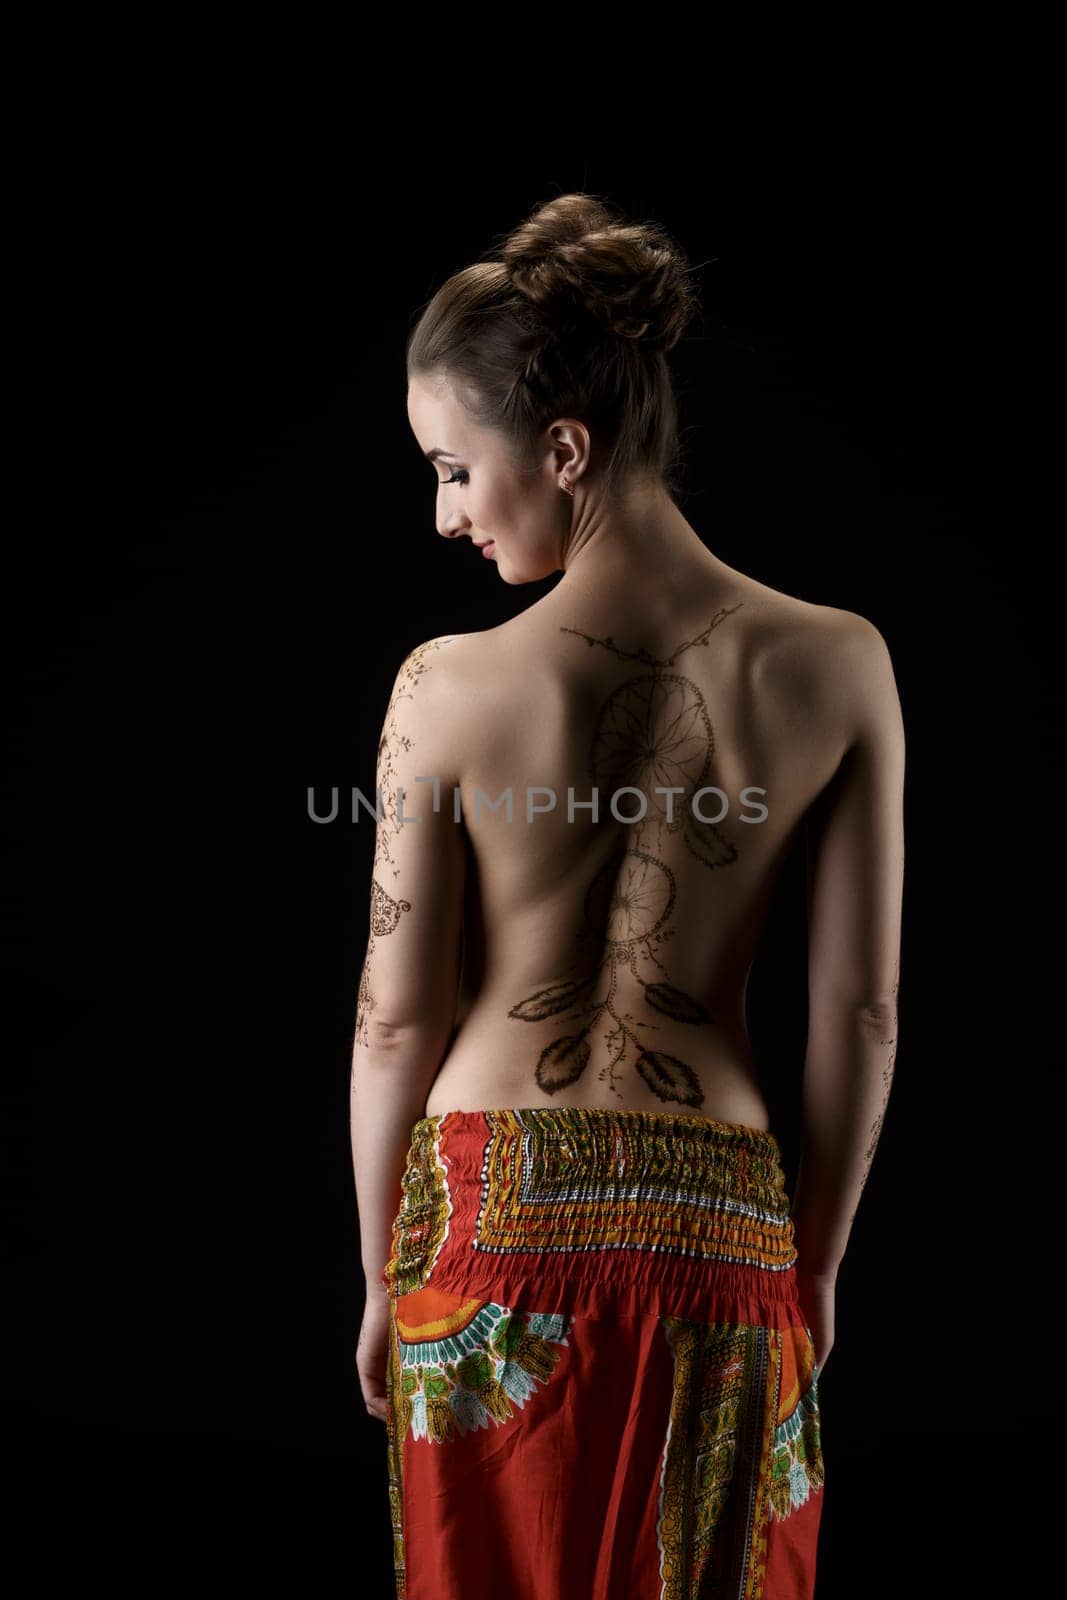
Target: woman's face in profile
521, 518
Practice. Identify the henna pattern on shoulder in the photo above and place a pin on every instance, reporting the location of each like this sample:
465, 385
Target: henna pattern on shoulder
653, 729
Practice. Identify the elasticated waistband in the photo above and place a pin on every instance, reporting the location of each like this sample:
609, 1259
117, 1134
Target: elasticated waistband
572, 1201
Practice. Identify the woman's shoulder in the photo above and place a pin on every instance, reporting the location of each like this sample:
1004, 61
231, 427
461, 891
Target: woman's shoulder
450, 668
813, 657
793, 612
794, 633
432, 653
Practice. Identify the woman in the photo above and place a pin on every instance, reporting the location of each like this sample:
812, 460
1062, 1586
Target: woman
594, 1326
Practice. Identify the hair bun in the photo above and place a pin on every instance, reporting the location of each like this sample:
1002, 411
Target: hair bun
575, 258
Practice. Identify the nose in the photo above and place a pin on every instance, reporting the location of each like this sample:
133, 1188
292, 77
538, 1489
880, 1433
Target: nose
451, 520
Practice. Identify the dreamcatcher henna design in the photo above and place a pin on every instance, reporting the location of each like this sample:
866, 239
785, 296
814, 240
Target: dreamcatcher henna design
653, 730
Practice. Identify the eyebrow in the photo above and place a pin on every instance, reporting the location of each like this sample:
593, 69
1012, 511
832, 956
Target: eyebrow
432, 455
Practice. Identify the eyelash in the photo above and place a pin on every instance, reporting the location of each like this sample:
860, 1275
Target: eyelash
457, 477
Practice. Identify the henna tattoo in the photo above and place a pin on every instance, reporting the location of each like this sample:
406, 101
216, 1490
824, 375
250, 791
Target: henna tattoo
653, 730
384, 916
875, 1133
385, 910
888, 1067
645, 656
887, 1083
392, 741
364, 998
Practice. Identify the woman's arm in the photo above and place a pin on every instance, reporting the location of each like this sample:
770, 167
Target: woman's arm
407, 992
855, 836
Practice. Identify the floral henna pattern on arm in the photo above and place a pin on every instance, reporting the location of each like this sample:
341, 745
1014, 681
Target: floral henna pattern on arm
385, 910
888, 1067
653, 730
392, 742
384, 917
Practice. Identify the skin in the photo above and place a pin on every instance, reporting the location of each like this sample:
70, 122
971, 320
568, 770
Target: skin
548, 962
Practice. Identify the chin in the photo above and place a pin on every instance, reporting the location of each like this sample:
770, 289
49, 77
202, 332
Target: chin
516, 579
516, 576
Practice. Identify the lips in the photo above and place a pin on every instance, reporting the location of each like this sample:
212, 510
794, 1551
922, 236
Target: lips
487, 548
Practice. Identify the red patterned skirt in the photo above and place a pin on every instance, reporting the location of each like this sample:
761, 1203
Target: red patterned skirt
602, 1385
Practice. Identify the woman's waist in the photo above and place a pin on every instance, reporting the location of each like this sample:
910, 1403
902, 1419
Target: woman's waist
596, 1207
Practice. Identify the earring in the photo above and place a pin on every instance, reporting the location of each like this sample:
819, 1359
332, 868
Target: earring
566, 487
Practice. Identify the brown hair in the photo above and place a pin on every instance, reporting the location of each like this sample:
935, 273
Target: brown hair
573, 319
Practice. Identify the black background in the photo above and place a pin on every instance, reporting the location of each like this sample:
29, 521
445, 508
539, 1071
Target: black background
230, 548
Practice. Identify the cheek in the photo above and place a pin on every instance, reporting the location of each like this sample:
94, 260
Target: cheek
492, 508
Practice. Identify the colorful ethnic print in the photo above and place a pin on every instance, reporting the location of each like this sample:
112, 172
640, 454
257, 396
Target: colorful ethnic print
740, 1455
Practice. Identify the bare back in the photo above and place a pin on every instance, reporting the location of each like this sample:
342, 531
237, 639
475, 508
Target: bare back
604, 961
